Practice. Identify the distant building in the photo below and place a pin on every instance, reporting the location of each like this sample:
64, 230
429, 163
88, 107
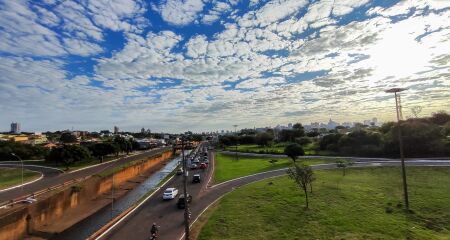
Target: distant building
15, 127
116, 129
290, 125
142, 130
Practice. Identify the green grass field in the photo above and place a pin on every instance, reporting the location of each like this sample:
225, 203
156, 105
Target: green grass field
11, 176
277, 148
227, 167
350, 207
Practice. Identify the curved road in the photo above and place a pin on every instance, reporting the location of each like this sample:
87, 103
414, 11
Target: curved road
52, 178
164, 213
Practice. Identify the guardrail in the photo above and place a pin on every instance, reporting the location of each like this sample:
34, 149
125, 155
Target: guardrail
33, 195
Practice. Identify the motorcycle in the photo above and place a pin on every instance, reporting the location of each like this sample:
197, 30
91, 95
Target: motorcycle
153, 236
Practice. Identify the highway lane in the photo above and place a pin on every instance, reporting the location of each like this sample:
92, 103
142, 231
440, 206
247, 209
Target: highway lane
46, 171
56, 179
165, 214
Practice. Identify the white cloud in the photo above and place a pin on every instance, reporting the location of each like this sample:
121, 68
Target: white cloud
179, 12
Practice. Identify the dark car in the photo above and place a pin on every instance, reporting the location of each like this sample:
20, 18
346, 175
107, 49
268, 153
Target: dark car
180, 203
179, 171
196, 178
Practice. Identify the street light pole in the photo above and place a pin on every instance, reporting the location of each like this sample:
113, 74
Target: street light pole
400, 140
186, 206
21, 161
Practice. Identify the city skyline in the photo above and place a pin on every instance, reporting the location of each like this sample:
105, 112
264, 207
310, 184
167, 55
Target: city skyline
178, 65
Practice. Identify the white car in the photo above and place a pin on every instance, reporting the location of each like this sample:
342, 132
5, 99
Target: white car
170, 193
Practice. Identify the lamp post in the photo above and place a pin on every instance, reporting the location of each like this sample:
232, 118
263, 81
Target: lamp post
186, 204
21, 161
398, 107
235, 133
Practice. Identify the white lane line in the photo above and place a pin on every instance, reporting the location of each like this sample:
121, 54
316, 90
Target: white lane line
134, 209
30, 165
17, 186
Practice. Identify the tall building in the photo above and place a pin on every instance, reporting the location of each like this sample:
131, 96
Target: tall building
15, 127
116, 129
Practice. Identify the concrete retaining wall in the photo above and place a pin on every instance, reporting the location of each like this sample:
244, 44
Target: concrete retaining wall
17, 224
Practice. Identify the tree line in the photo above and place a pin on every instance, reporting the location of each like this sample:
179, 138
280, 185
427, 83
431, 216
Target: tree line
427, 136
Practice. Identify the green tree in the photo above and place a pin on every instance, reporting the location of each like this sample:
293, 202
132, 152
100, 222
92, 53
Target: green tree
303, 176
293, 151
343, 164
68, 137
68, 154
100, 150
263, 139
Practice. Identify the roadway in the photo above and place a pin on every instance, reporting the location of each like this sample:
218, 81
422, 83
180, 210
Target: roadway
170, 219
53, 176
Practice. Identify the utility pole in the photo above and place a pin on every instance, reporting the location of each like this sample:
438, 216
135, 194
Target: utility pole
235, 133
186, 204
398, 108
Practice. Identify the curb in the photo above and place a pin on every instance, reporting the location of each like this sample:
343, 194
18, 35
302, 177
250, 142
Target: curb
21, 185
113, 223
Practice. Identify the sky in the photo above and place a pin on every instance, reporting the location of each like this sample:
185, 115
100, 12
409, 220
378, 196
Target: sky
201, 65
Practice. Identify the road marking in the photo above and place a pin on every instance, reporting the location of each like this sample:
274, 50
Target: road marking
30, 165
17, 186
133, 210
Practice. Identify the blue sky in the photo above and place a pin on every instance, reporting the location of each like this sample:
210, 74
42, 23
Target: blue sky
173, 65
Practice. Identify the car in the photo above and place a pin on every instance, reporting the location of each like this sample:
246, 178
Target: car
196, 161
203, 165
179, 171
180, 203
170, 193
196, 178
194, 166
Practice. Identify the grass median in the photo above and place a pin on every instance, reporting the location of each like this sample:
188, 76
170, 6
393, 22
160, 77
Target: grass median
10, 177
364, 204
227, 167
277, 148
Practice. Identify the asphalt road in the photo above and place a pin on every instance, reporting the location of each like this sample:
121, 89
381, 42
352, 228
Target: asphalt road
52, 178
356, 159
164, 212
170, 219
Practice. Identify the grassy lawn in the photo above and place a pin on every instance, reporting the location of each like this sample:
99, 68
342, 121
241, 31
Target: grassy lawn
11, 176
227, 167
277, 148
350, 207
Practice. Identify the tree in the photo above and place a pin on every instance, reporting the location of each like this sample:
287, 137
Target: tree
99, 150
263, 139
294, 150
303, 176
330, 139
343, 164
68, 137
303, 141
68, 154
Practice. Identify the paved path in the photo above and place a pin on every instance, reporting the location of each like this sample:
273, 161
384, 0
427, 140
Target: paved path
52, 179
164, 213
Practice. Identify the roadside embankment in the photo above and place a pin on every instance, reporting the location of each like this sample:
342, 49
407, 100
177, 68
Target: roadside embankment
58, 210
